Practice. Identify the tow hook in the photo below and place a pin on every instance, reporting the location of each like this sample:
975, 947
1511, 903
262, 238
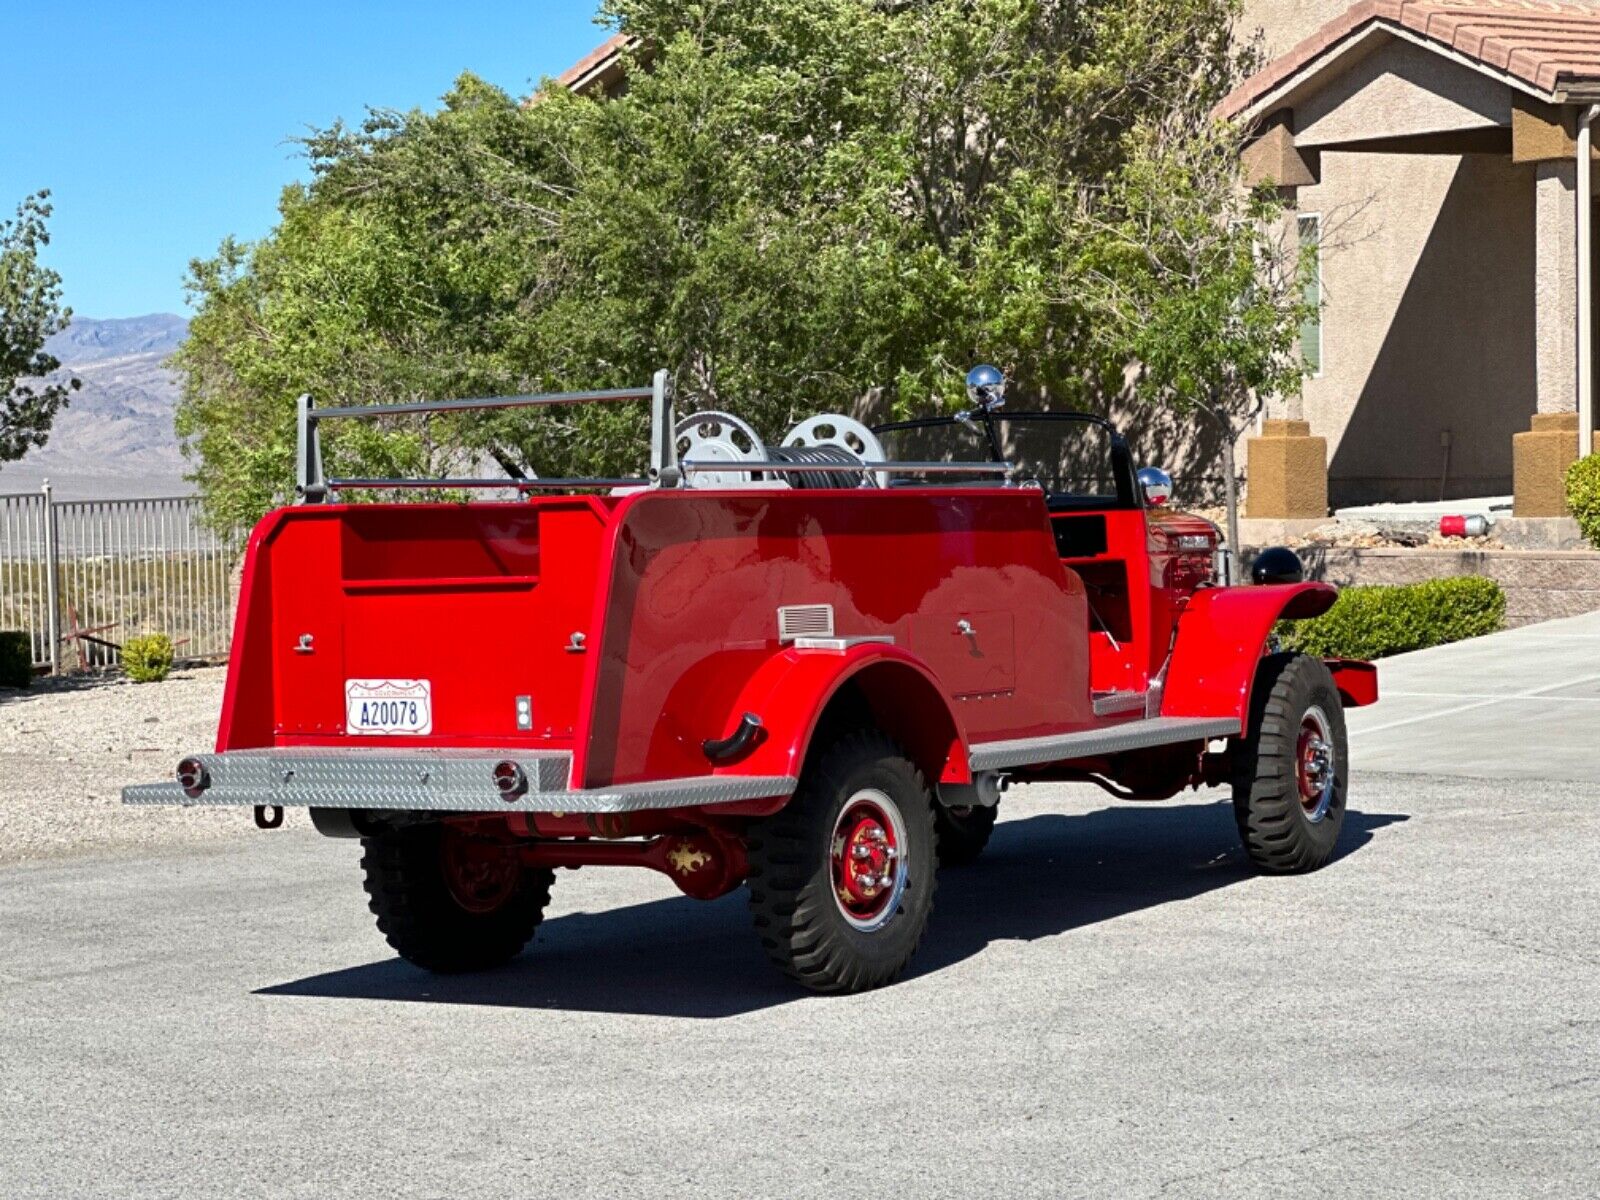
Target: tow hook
722, 749
269, 816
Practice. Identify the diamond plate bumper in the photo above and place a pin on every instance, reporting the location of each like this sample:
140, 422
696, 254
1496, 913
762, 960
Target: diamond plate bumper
436, 781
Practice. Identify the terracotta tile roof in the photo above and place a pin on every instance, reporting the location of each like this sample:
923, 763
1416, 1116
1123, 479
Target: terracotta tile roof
1546, 44
594, 62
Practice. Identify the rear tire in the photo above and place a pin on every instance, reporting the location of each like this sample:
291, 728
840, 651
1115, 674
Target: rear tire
842, 878
963, 832
450, 902
1290, 771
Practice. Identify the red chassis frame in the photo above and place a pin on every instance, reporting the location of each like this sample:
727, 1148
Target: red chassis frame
969, 623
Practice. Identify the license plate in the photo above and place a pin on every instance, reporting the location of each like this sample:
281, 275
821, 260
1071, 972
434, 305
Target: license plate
382, 706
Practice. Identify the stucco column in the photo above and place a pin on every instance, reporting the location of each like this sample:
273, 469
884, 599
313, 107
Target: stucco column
1287, 470
1540, 457
1555, 283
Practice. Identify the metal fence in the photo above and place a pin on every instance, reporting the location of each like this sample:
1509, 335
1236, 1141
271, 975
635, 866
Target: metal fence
82, 576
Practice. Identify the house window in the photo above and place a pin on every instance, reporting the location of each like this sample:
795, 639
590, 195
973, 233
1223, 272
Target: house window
1310, 229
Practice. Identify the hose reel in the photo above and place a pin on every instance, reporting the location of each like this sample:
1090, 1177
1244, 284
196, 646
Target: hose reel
835, 431
713, 436
831, 438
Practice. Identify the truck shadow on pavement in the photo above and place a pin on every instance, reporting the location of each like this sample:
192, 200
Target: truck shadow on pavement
1041, 876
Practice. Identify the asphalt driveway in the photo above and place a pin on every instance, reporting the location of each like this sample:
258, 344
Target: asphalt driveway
1108, 1004
1524, 704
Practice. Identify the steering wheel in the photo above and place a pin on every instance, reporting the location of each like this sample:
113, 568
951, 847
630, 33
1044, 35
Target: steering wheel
835, 429
713, 436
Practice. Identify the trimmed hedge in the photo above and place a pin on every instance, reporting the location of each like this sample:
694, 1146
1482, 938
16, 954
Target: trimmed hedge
1371, 622
147, 658
1583, 496
16, 659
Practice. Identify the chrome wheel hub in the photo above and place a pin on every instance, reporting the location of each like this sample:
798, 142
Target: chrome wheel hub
1316, 766
867, 860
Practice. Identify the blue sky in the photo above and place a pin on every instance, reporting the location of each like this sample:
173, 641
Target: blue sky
161, 127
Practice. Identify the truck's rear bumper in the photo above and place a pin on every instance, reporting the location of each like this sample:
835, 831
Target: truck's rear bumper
435, 781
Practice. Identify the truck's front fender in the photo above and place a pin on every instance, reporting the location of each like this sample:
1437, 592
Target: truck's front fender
1222, 634
792, 690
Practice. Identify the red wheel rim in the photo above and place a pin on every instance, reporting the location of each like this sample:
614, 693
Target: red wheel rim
480, 875
867, 859
1315, 768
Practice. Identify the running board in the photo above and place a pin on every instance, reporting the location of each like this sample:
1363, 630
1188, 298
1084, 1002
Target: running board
1097, 743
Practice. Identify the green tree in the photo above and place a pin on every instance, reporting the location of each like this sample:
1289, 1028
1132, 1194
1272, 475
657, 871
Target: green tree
30, 311
1197, 280
798, 207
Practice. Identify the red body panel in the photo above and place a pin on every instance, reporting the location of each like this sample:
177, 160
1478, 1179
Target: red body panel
1221, 633
697, 579
1357, 681
645, 625
479, 599
677, 594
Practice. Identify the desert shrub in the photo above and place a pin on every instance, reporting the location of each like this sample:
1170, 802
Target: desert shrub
16, 659
1371, 622
147, 658
1583, 496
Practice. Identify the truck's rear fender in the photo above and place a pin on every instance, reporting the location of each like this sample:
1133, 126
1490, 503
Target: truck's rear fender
805, 697
1222, 635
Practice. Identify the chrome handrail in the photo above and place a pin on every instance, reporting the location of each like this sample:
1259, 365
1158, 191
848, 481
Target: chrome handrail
313, 486
521, 485
690, 466
529, 401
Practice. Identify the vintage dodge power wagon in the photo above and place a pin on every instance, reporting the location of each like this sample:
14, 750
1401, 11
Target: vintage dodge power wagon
811, 668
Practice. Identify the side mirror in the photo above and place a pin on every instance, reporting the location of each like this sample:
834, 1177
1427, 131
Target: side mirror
1155, 486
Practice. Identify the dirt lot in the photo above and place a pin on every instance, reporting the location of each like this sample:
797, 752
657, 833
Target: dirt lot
68, 746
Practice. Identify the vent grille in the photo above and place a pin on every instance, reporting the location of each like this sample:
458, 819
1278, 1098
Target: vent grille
804, 620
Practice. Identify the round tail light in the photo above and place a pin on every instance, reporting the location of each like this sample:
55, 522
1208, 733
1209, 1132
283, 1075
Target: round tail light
193, 777
510, 780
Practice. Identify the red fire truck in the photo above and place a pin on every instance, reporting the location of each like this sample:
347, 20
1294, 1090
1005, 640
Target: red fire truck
810, 668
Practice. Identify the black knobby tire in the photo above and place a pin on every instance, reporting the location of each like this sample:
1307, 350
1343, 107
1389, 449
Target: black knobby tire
963, 832
1286, 832
422, 915
799, 916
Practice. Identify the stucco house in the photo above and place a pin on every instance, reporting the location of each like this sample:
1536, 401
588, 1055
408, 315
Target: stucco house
1433, 146
1454, 350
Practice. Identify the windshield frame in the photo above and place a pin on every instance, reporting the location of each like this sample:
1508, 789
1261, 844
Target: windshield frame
1122, 469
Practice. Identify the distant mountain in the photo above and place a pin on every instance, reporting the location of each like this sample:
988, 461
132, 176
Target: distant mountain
88, 341
115, 437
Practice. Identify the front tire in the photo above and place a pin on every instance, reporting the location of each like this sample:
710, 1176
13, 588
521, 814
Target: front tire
842, 878
1291, 771
451, 902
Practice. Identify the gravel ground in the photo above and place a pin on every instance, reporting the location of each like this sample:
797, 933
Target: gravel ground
69, 745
